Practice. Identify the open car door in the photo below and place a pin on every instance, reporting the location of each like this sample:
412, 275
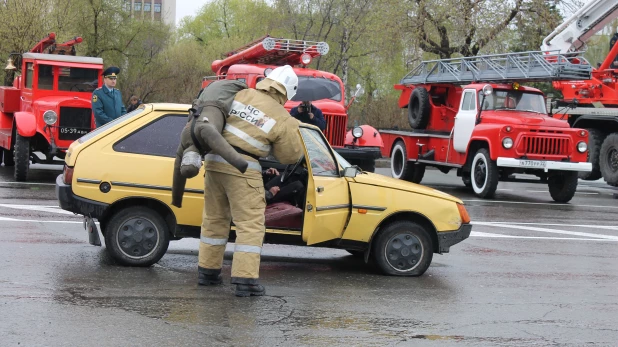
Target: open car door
328, 197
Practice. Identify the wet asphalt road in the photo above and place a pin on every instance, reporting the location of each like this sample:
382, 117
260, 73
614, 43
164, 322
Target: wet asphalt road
533, 273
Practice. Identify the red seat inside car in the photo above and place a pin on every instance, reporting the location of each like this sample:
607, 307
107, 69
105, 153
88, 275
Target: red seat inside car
283, 215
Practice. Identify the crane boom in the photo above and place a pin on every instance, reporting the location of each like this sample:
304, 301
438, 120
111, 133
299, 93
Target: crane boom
573, 33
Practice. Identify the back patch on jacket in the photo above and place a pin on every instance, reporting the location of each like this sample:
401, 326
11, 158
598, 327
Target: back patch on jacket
253, 116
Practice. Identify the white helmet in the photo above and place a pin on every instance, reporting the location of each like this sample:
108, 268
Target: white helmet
286, 76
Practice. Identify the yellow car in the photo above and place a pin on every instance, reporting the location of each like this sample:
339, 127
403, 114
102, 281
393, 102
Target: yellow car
121, 175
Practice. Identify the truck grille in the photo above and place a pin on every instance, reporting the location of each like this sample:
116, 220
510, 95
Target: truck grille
545, 145
335, 129
74, 123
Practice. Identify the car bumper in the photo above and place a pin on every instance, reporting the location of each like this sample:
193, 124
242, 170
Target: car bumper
362, 153
71, 202
544, 165
449, 238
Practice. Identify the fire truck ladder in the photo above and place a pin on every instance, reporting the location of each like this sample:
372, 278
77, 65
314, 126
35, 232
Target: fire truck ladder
502, 68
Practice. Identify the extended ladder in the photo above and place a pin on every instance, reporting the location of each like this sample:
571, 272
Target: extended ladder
509, 67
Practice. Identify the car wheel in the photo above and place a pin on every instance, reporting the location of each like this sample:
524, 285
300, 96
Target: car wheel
21, 157
609, 159
484, 174
136, 236
403, 248
401, 168
562, 185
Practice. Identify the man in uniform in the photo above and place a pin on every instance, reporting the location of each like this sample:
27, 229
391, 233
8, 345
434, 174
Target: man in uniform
257, 125
107, 100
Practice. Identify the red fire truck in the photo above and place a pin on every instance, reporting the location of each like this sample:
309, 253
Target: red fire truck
251, 63
591, 104
472, 115
47, 105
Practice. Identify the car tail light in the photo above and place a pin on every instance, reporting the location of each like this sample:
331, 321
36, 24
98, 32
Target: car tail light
67, 175
465, 218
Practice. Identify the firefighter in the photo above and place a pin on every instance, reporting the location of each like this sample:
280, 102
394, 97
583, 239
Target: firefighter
106, 100
257, 125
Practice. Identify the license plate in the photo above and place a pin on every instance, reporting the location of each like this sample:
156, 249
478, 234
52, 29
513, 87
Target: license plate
533, 163
73, 131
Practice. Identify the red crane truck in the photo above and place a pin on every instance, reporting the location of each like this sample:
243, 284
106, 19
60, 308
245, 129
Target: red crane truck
251, 63
510, 133
47, 105
591, 104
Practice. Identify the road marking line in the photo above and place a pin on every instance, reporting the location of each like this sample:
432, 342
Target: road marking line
546, 191
538, 203
554, 231
500, 236
33, 183
50, 209
608, 227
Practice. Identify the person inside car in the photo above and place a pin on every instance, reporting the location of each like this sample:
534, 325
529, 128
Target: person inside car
275, 191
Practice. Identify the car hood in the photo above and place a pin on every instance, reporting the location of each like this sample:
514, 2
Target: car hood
393, 183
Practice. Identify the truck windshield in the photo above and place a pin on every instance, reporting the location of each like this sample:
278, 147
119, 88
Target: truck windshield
333, 84
73, 79
514, 100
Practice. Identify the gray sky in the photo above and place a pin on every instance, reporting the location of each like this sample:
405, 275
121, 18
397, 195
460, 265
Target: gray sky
187, 8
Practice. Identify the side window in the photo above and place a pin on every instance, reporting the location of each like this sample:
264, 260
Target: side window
160, 138
320, 157
46, 77
243, 80
29, 75
465, 105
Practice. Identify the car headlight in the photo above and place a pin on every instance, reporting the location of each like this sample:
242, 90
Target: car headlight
50, 117
507, 142
582, 147
357, 132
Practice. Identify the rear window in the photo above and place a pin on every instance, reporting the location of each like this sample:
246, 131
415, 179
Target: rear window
159, 138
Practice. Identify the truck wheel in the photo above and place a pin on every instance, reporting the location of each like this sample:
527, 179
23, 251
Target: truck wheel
562, 185
136, 236
595, 140
419, 108
401, 168
21, 157
609, 159
484, 174
9, 160
403, 248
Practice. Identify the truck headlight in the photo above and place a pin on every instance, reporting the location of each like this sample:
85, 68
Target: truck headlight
582, 147
357, 132
50, 117
507, 142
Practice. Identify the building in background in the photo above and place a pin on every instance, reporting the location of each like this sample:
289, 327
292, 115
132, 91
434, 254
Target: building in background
155, 10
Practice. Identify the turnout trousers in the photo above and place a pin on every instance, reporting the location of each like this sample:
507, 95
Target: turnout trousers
229, 198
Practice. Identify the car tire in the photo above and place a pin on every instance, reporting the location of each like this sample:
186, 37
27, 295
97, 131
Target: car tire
401, 168
136, 236
609, 159
403, 248
562, 185
595, 141
8, 158
484, 174
21, 158
419, 108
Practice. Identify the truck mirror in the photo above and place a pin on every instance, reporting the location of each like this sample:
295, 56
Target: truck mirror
487, 90
350, 171
359, 90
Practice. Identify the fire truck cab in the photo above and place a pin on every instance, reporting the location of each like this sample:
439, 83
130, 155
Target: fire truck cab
47, 106
251, 63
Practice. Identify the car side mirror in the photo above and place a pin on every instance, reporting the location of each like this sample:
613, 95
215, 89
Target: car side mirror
350, 171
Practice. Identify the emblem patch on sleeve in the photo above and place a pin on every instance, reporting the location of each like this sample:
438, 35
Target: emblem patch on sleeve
95, 98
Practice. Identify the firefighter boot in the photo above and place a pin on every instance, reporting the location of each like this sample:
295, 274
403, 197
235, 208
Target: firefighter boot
208, 277
245, 290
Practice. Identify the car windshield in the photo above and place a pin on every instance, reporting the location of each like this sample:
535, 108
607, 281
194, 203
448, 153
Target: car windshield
513, 100
106, 126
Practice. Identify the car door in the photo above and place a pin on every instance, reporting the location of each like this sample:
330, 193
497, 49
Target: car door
465, 121
328, 197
